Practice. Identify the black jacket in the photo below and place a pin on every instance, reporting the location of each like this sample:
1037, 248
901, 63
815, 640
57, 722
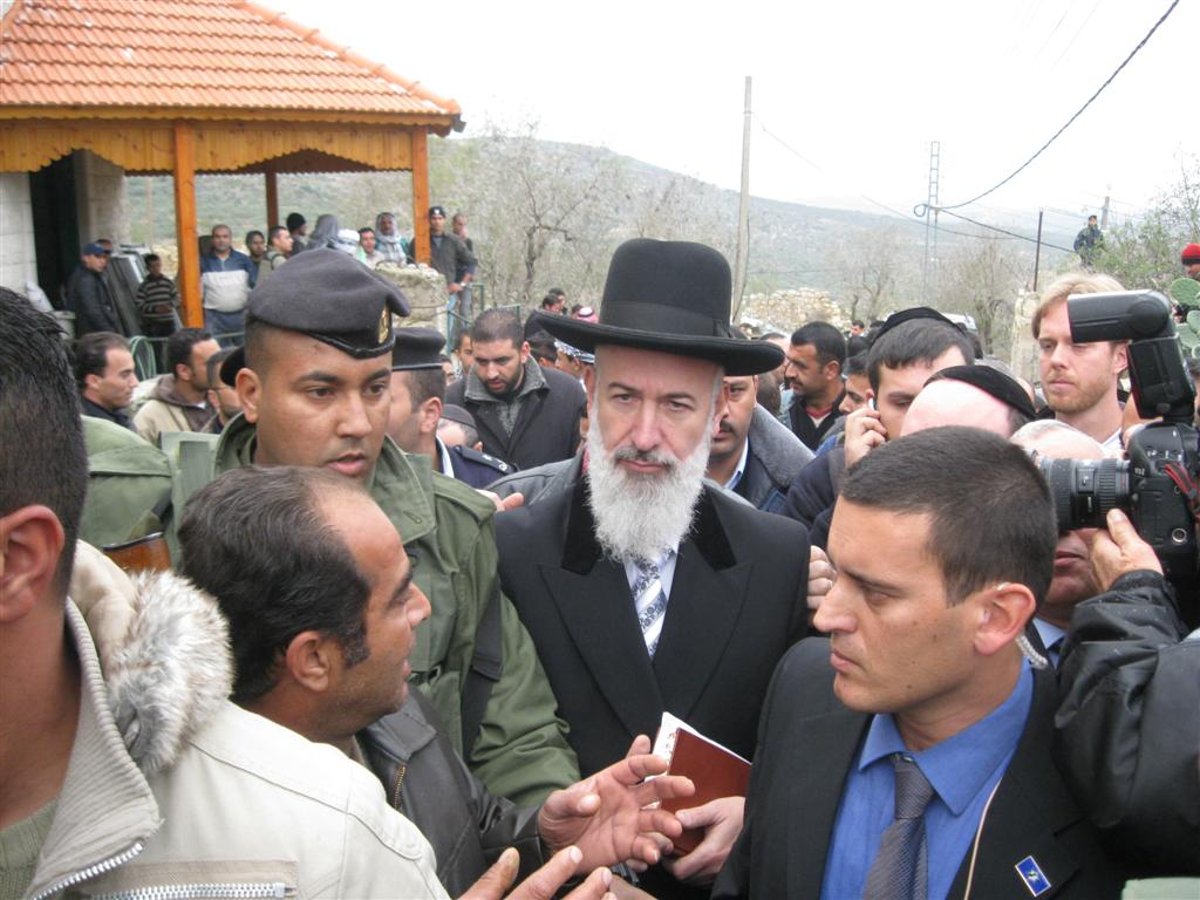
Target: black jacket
807, 742
736, 605
812, 494
547, 426
1129, 724
89, 298
426, 780
802, 426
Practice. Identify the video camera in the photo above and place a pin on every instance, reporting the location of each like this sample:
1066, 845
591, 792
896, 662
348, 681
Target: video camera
1156, 485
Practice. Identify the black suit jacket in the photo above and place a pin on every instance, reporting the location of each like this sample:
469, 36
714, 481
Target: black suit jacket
737, 603
807, 743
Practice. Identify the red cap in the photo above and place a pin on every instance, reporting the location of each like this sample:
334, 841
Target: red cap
1190, 254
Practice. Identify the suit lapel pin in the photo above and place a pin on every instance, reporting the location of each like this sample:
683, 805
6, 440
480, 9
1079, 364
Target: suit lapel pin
1032, 876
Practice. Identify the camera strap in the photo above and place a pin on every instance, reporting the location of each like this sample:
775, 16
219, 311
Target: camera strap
1187, 486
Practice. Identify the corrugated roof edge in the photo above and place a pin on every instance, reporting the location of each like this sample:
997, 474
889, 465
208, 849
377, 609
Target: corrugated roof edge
314, 36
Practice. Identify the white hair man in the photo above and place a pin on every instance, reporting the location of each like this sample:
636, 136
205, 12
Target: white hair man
636, 582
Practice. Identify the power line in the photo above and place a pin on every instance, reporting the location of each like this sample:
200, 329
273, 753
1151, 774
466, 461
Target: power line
1078, 113
913, 218
1014, 234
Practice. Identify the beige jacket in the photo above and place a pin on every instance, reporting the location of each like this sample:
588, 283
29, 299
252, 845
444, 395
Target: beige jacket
165, 410
172, 787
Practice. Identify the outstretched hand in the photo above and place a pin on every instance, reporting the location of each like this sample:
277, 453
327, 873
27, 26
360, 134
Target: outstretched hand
542, 884
607, 816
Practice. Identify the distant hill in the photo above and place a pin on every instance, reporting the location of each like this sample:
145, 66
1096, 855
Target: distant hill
546, 214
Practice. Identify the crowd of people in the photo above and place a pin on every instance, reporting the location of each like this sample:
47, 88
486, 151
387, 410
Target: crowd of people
422, 613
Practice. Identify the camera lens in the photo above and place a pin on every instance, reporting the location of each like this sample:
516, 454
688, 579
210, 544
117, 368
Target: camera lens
1084, 490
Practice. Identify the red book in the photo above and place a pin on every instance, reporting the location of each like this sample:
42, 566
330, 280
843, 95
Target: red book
716, 772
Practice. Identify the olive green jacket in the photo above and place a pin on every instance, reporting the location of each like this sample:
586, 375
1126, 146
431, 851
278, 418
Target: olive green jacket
129, 485
521, 752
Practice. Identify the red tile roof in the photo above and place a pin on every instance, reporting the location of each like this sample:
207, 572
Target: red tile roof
198, 54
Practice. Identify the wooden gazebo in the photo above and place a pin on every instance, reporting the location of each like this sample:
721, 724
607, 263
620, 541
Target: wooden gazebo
188, 87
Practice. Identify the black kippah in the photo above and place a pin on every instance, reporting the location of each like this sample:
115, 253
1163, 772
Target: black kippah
990, 381
907, 315
452, 413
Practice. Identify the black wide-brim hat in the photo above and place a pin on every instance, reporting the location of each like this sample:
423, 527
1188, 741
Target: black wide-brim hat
670, 297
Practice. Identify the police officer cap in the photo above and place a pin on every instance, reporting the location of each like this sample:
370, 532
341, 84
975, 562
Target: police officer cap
417, 348
329, 296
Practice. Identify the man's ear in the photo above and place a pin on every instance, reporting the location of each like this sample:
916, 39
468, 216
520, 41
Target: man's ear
1004, 611
310, 660
589, 384
524, 351
249, 390
1120, 357
31, 544
832, 370
90, 382
429, 412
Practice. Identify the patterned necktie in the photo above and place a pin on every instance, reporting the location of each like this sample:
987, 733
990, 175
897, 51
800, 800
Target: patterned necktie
900, 869
650, 601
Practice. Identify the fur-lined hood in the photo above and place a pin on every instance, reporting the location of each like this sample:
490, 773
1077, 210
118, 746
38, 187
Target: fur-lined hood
164, 651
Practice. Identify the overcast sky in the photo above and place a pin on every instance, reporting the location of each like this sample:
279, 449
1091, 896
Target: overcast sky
847, 96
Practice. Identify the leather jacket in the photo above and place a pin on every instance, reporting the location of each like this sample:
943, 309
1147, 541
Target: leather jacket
427, 781
1129, 724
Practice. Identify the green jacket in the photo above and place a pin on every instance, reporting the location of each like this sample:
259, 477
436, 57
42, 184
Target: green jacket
129, 485
521, 752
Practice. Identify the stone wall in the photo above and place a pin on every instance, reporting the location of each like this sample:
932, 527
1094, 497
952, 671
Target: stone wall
18, 260
425, 289
100, 195
785, 311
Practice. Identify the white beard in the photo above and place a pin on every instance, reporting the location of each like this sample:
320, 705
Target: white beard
641, 516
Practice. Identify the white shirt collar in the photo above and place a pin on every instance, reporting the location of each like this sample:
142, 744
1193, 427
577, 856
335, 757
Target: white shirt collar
741, 467
447, 465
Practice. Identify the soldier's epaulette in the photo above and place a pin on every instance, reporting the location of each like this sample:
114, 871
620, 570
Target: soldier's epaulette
486, 459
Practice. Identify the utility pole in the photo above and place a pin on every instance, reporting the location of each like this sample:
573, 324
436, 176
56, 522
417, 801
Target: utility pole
935, 152
1104, 214
1037, 253
743, 232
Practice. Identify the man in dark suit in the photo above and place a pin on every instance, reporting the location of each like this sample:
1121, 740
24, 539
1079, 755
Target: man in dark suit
644, 590
909, 755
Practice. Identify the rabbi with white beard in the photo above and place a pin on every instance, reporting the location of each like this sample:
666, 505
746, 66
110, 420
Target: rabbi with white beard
644, 590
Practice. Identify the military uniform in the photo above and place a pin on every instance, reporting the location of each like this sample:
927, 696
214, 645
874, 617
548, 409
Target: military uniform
129, 485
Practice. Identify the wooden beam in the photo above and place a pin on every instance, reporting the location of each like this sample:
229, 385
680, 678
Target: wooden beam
272, 198
420, 194
188, 278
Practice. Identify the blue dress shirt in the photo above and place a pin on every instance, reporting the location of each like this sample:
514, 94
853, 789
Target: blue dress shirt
963, 770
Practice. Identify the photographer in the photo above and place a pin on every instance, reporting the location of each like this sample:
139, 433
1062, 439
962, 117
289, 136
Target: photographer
1128, 728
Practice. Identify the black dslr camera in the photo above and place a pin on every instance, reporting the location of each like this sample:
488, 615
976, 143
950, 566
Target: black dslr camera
1156, 486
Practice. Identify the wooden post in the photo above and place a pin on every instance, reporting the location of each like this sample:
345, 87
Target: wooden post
272, 198
420, 193
188, 278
